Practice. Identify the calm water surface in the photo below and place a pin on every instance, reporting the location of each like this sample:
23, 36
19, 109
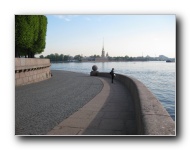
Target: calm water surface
158, 76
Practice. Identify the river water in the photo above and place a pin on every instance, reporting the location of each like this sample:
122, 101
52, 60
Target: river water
158, 76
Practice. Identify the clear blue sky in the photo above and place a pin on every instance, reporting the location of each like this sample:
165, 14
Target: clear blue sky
132, 35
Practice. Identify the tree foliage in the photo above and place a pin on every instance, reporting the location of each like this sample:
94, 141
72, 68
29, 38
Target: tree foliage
62, 58
30, 35
58, 58
78, 57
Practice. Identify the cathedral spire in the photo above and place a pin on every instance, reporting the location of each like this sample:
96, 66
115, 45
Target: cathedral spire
103, 52
103, 45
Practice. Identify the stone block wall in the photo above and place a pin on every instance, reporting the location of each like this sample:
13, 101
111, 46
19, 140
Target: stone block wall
31, 70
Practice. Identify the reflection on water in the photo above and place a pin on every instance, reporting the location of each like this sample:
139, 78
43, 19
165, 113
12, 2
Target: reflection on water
158, 76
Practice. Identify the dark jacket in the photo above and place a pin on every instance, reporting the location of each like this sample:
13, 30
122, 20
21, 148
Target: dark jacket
112, 73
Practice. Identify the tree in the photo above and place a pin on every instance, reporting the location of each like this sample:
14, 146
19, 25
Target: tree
52, 57
40, 41
66, 58
126, 57
30, 34
56, 57
41, 56
61, 57
23, 35
78, 57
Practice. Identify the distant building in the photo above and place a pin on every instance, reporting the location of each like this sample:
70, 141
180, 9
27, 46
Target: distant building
103, 52
107, 55
103, 58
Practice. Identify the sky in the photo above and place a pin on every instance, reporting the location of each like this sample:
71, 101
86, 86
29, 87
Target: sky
121, 35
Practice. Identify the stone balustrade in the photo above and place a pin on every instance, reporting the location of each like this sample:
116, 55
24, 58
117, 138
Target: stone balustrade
30, 70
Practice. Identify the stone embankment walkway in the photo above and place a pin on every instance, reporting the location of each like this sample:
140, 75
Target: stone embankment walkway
74, 104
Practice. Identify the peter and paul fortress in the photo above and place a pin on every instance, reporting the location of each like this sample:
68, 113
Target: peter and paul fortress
103, 58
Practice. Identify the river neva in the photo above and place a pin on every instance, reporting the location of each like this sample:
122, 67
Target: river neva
158, 76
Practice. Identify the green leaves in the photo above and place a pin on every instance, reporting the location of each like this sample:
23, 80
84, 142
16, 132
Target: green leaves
30, 34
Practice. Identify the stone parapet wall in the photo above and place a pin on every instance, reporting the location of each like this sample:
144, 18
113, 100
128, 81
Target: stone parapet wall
30, 70
152, 118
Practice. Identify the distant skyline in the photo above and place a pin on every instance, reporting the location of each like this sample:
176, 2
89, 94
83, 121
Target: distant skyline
132, 35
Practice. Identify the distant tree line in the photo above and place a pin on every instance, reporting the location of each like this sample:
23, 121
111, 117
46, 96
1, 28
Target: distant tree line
95, 56
30, 35
140, 58
62, 58
122, 58
66, 58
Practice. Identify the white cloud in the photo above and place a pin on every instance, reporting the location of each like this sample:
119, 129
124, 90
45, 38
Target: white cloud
66, 17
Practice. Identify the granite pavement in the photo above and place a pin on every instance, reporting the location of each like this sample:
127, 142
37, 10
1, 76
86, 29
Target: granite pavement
41, 106
71, 104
